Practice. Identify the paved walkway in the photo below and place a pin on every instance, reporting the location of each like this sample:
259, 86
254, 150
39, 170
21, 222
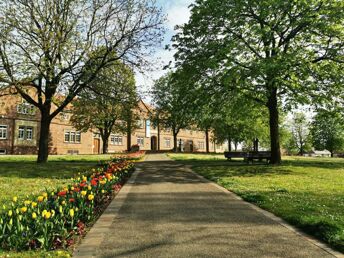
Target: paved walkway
167, 211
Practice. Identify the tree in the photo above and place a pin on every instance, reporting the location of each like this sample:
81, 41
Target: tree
103, 105
52, 48
299, 128
172, 105
267, 50
327, 130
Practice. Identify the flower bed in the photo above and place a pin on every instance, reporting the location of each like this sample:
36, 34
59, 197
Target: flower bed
133, 156
54, 219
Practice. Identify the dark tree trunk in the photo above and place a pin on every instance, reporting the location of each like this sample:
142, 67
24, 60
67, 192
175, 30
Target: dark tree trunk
43, 143
129, 135
207, 141
229, 144
105, 144
332, 152
175, 142
158, 127
274, 127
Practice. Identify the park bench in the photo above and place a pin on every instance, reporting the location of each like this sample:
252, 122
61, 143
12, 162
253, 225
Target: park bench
235, 154
249, 156
259, 155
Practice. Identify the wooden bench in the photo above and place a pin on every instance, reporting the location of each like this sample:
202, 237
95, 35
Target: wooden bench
249, 156
235, 154
259, 155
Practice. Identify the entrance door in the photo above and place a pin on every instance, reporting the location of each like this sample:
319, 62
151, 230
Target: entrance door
154, 143
96, 146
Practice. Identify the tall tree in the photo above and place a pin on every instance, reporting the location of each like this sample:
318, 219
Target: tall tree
172, 105
327, 130
299, 128
267, 50
103, 105
49, 47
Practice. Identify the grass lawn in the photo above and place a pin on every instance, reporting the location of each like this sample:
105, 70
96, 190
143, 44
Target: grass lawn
307, 192
21, 176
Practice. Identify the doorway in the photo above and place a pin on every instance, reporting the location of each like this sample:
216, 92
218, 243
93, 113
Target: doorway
154, 145
96, 146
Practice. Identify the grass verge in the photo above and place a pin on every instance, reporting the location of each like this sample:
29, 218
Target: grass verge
306, 192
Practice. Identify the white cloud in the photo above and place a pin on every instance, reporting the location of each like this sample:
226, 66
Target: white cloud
177, 15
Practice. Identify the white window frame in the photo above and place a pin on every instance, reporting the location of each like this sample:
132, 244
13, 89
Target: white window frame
167, 142
140, 140
29, 133
3, 132
201, 145
21, 133
73, 136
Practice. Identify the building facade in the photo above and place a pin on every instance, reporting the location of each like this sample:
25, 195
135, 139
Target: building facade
20, 123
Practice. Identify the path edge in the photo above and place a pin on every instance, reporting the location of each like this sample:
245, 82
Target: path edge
270, 215
97, 234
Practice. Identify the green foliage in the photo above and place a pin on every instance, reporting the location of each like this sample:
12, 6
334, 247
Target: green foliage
173, 105
103, 105
264, 50
327, 130
299, 140
52, 219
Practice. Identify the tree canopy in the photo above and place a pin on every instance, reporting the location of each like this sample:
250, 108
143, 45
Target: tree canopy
274, 52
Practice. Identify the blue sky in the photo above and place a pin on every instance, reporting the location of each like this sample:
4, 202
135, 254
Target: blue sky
177, 13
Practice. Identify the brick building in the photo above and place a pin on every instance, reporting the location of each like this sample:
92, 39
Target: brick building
19, 133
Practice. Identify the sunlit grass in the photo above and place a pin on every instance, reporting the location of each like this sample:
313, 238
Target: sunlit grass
307, 192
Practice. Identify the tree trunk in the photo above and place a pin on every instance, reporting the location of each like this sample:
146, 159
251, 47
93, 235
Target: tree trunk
105, 144
43, 144
175, 142
274, 127
158, 127
129, 135
207, 141
332, 152
229, 144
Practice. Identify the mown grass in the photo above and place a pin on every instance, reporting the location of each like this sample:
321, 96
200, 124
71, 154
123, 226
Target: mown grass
20, 176
307, 192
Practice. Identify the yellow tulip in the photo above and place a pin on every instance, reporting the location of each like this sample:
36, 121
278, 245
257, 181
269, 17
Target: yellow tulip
45, 195
103, 191
23, 209
72, 188
63, 202
27, 202
34, 215
11, 222
15, 199
44, 212
90, 197
47, 215
10, 213
33, 204
71, 213
103, 182
40, 198
89, 187
83, 193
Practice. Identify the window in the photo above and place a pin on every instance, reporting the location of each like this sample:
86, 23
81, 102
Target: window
140, 123
116, 140
25, 133
29, 133
21, 133
72, 136
201, 145
167, 142
140, 140
26, 108
3, 132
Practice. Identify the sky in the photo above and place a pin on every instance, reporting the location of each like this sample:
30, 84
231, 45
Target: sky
177, 13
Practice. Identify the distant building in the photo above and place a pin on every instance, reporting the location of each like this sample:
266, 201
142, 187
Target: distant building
316, 153
20, 125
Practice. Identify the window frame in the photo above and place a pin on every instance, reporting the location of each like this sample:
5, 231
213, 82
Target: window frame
3, 132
